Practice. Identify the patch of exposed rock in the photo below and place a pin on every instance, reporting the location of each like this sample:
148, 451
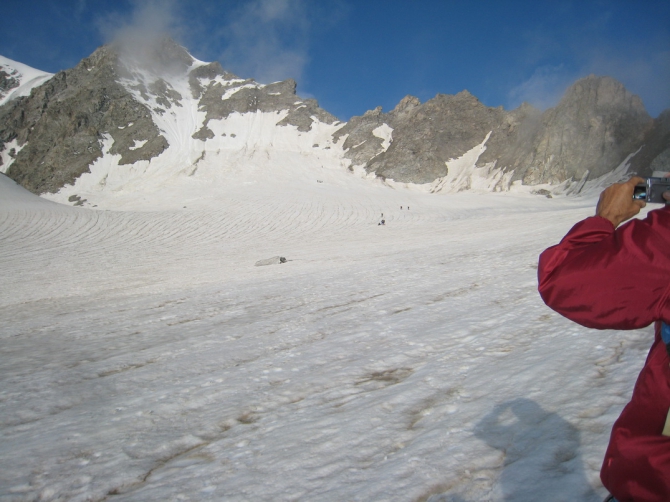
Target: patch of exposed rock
235, 95
8, 80
275, 260
431, 134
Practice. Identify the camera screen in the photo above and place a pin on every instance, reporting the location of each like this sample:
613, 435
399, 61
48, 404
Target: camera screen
640, 192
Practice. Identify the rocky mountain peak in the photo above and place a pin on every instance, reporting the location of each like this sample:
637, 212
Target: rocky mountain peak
373, 113
465, 95
406, 103
58, 131
589, 133
206, 73
593, 129
602, 93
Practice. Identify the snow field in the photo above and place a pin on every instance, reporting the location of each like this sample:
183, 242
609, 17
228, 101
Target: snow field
144, 357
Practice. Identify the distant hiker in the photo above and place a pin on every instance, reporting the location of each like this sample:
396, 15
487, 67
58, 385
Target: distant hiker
383, 222
605, 277
401, 208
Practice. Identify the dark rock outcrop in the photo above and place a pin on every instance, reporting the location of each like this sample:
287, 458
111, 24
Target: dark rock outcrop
655, 154
8, 81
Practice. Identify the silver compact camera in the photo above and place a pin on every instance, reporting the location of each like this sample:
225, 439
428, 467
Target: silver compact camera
652, 190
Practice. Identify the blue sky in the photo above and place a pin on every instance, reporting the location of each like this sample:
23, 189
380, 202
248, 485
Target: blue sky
354, 55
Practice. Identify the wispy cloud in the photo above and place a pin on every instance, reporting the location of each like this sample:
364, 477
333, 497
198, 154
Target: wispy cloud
268, 40
147, 20
79, 9
137, 35
543, 89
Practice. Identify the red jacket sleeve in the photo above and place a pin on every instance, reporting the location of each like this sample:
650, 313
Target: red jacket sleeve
610, 279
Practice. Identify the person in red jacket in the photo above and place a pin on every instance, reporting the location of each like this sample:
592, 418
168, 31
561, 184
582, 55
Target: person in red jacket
605, 277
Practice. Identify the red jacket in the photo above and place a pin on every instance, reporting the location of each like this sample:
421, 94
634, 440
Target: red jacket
620, 279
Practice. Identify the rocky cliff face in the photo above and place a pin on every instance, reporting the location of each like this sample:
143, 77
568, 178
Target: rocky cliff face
129, 108
655, 154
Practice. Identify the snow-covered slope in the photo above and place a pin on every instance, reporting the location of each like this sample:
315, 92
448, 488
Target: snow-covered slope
18, 79
145, 357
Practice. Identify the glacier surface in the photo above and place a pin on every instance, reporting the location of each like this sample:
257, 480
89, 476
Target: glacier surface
145, 357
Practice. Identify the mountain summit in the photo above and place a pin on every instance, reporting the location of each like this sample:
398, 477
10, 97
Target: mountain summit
134, 118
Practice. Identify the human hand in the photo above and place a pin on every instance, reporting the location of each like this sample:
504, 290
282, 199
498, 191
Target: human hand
616, 202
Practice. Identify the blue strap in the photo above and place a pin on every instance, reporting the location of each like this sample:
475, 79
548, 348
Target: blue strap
665, 335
